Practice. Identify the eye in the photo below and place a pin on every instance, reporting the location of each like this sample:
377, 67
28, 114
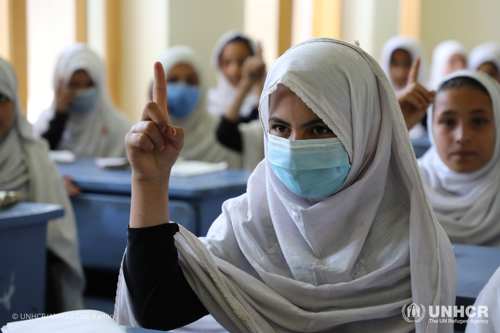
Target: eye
280, 128
321, 130
173, 79
447, 122
480, 121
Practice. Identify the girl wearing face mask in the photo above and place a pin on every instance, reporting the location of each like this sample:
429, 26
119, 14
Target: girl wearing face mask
25, 167
240, 73
403, 61
486, 58
448, 57
335, 232
82, 117
460, 170
208, 138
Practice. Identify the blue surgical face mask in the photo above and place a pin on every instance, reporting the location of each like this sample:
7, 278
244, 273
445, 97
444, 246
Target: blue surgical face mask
182, 99
309, 168
84, 100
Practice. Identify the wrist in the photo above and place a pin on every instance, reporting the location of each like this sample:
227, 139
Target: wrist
245, 84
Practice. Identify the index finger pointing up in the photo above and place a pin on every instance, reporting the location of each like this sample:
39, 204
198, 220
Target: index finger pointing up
160, 88
413, 76
259, 50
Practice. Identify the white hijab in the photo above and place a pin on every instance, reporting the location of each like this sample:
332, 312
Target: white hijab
490, 297
466, 204
410, 45
200, 127
486, 52
99, 133
277, 262
222, 96
440, 58
25, 166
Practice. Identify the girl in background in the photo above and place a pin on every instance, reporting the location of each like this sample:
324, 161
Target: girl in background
448, 56
82, 117
240, 73
461, 170
486, 58
209, 138
403, 61
27, 168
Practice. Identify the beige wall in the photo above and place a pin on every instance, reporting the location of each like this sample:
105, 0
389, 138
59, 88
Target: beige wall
471, 22
144, 37
371, 22
200, 23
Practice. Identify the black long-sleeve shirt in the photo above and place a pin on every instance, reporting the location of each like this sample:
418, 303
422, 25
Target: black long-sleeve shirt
56, 128
161, 296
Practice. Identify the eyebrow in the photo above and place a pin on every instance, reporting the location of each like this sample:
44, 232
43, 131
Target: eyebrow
451, 112
309, 123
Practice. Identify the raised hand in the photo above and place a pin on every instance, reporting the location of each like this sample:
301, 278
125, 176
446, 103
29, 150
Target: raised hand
254, 67
153, 144
414, 99
63, 97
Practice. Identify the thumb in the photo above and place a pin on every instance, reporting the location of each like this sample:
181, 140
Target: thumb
175, 135
413, 76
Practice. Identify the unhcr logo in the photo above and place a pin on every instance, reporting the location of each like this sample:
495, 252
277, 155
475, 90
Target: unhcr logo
413, 313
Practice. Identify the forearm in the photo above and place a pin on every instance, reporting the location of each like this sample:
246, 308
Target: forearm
149, 206
56, 128
233, 113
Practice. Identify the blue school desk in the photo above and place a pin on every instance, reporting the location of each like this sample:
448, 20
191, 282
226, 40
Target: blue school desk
129, 329
23, 243
421, 145
102, 211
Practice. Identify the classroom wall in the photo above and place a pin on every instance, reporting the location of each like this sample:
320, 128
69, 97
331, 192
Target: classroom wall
371, 22
471, 22
145, 35
200, 23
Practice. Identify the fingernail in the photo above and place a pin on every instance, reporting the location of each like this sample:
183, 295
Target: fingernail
162, 148
174, 131
163, 129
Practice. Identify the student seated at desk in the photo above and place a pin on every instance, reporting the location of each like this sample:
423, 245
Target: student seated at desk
334, 232
25, 167
208, 138
403, 61
486, 58
461, 169
448, 56
240, 73
82, 117
488, 297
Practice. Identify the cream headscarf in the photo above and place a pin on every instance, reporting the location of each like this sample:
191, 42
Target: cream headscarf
25, 166
413, 47
221, 97
200, 127
486, 52
99, 133
440, 57
277, 262
466, 204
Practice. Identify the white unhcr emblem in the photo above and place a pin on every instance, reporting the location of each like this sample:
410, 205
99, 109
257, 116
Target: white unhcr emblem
413, 313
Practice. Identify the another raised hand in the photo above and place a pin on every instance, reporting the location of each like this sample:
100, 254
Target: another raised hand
414, 99
63, 97
153, 145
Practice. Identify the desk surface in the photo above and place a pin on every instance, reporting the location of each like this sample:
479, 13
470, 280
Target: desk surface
26, 213
476, 265
89, 177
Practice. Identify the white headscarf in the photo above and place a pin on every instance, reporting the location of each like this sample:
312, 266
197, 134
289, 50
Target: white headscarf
200, 142
221, 97
466, 204
486, 52
410, 45
25, 166
489, 297
277, 262
440, 58
99, 133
